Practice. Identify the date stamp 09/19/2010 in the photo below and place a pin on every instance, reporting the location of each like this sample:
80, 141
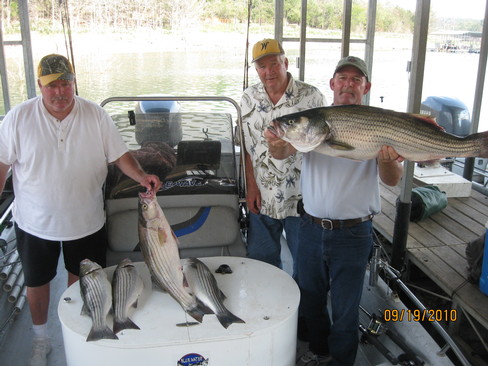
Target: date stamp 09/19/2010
420, 315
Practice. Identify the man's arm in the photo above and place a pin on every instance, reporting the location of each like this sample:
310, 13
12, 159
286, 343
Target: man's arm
253, 194
131, 167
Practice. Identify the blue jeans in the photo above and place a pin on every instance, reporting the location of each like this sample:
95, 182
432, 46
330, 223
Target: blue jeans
332, 261
264, 238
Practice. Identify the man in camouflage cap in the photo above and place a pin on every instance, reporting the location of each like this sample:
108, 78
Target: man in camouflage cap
59, 145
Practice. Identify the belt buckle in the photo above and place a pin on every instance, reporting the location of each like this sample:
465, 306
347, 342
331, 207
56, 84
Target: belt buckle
327, 224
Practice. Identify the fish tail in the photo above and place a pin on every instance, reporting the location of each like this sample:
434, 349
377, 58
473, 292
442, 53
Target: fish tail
227, 318
121, 324
484, 144
101, 333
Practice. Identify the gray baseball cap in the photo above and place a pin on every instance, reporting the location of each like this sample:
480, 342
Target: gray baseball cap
353, 61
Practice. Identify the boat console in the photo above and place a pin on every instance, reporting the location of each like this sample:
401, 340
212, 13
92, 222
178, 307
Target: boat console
196, 159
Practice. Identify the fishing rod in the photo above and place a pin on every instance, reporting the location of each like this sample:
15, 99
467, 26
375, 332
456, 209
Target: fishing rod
246, 61
64, 10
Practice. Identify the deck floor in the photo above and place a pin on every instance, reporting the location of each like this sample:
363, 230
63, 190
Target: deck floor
437, 246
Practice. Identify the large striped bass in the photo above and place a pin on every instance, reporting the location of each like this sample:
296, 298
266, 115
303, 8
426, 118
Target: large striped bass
96, 292
358, 132
159, 247
204, 285
126, 287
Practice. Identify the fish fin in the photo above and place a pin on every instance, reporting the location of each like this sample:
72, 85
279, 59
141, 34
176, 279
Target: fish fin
192, 261
175, 238
222, 295
162, 237
196, 313
484, 144
85, 310
337, 145
185, 281
204, 308
428, 120
101, 333
227, 318
120, 325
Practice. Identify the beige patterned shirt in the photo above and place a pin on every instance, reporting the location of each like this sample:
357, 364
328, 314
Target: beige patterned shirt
278, 180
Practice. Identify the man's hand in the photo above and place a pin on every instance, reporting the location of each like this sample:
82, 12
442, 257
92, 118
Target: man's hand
278, 148
389, 166
388, 153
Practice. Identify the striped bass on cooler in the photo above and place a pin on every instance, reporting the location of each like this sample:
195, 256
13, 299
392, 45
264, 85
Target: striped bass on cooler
127, 285
159, 247
96, 293
204, 285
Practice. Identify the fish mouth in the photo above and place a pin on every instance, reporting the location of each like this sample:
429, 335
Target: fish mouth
275, 128
148, 194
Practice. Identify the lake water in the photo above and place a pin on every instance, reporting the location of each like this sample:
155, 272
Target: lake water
219, 71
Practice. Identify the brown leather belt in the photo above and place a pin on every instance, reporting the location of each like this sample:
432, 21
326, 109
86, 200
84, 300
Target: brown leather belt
329, 224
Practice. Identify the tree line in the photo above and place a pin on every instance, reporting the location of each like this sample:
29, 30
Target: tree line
171, 15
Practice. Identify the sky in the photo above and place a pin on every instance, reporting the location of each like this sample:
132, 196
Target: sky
470, 9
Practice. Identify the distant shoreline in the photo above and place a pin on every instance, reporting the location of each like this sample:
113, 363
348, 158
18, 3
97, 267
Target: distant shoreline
156, 41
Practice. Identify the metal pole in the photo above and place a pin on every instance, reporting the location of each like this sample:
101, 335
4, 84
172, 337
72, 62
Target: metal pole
402, 219
27, 49
346, 28
478, 93
3, 72
370, 32
279, 14
303, 40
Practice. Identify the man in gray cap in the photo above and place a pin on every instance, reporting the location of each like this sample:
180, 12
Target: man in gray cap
58, 146
340, 198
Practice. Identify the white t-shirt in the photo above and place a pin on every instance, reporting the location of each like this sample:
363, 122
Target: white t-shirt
59, 167
339, 188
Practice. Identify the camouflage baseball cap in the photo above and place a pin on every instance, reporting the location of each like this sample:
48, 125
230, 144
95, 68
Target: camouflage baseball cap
266, 47
353, 61
53, 67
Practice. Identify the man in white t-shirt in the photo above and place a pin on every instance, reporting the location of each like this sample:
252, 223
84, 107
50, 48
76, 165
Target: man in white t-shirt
58, 146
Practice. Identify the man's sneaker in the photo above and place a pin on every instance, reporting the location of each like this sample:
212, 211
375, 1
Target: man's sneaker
311, 359
40, 349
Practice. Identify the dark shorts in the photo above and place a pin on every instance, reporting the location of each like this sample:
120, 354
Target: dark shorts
39, 257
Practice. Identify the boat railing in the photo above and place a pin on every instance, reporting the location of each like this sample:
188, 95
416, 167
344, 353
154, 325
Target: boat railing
378, 264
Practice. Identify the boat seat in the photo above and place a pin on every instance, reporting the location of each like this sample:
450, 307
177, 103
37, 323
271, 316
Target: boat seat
206, 225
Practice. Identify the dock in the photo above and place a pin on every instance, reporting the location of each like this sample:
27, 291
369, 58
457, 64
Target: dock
437, 246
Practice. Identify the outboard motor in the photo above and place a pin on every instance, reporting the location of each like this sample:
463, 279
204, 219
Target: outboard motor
158, 120
453, 115
450, 113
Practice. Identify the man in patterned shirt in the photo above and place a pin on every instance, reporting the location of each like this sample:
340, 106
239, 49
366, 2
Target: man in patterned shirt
273, 186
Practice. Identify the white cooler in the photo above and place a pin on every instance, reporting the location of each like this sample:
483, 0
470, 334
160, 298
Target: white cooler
265, 297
